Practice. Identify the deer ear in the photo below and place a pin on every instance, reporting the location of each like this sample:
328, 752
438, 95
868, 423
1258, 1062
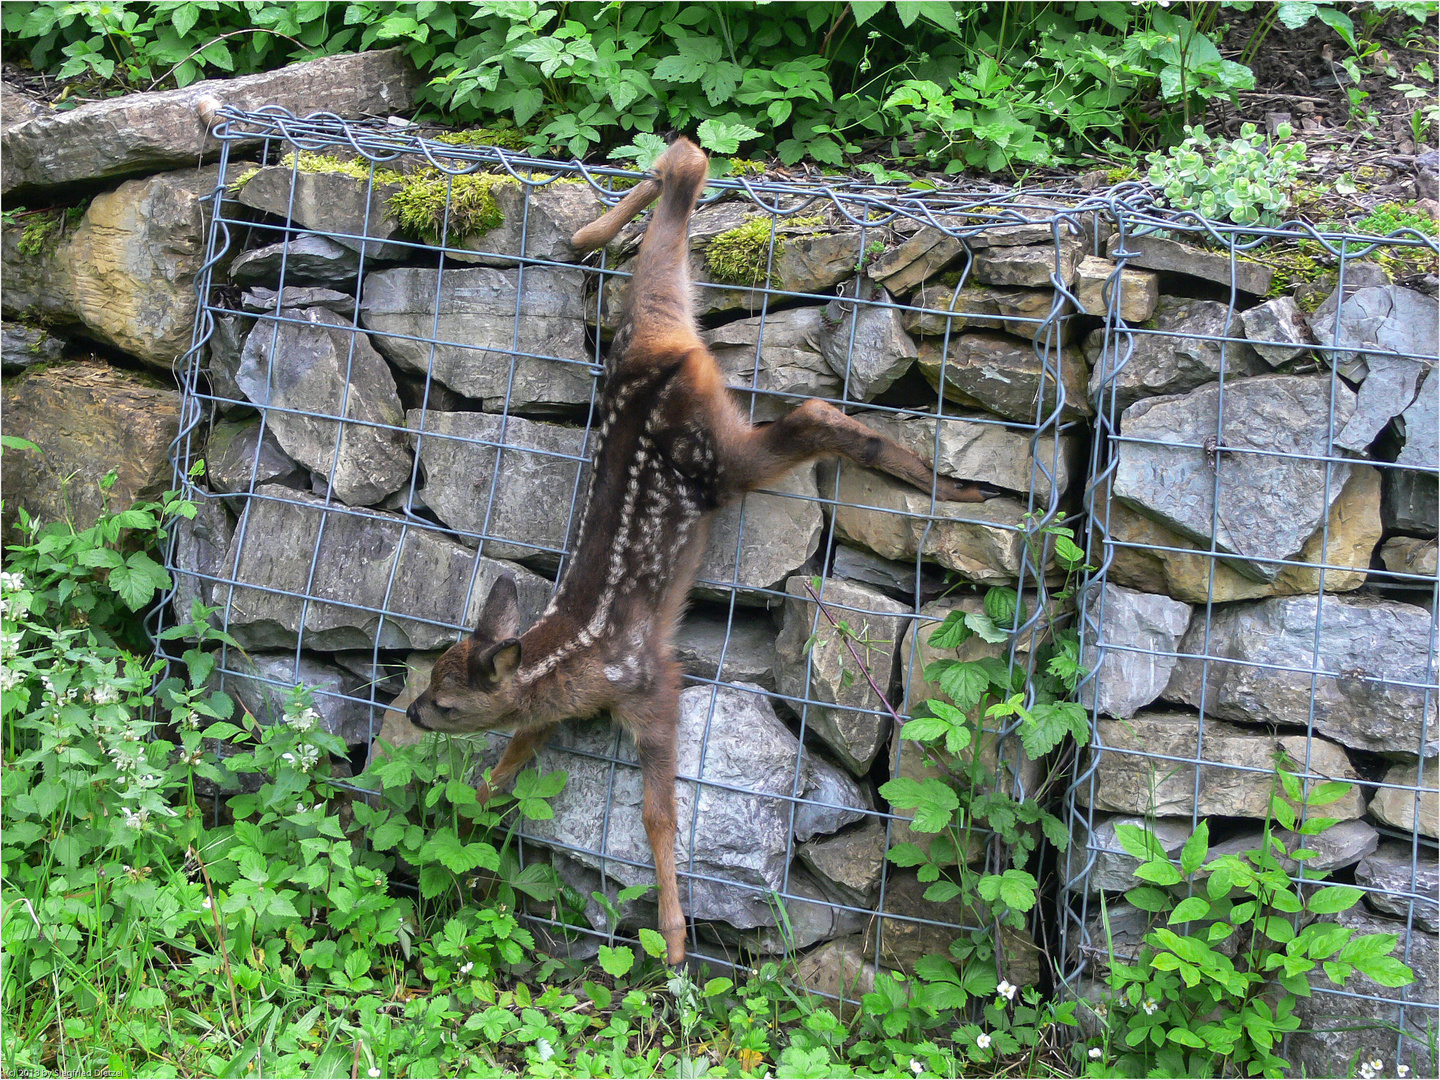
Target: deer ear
496, 663
500, 618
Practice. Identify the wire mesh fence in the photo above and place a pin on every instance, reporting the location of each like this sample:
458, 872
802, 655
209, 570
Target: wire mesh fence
391, 387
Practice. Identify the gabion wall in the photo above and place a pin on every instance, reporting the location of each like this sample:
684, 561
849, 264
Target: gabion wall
389, 423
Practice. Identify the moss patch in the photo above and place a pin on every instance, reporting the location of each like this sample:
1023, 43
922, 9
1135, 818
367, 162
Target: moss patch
505, 138
738, 256
356, 168
41, 230
1391, 217
745, 167
419, 205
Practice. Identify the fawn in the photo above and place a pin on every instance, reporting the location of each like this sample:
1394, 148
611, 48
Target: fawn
672, 448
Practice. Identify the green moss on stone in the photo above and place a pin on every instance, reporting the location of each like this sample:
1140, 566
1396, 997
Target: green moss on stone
420, 205
738, 256
505, 138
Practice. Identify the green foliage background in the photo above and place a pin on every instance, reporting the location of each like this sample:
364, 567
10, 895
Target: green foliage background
985, 85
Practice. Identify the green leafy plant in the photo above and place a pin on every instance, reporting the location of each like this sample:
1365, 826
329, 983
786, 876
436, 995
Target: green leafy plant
1240, 179
1235, 942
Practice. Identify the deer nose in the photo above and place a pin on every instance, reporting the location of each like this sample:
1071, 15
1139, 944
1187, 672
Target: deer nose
413, 715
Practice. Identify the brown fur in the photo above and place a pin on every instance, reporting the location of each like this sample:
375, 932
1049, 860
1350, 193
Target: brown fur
672, 449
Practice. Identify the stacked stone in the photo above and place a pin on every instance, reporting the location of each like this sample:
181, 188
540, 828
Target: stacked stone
386, 434
1268, 593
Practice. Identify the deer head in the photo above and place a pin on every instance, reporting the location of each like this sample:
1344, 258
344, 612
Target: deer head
472, 685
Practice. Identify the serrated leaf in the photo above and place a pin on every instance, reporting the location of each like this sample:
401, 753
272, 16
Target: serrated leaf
951, 633
724, 138
965, 684
984, 627
942, 892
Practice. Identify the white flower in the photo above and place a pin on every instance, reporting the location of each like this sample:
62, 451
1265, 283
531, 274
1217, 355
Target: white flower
1096, 1053
467, 967
104, 694
546, 1050
205, 903
12, 582
10, 678
1366, 1072
374, 1072
1402, 1071
305, 720
916, 1067
982, 1041
136, 818
1150, 1006
1006, 990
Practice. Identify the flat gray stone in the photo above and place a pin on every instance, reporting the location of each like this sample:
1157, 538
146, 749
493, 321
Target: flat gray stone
1278, 330
1139, 290
776, 535
741, 837
840, 971
832, 799
263, 301
1412, 556
1037, 266
895, 579
1410, 502
1420, 425
1364, 647
1270, 501
851, 862
556, 211
484, 318
1140, 632
222, 361
1156, 253
778, 355
139, 133
523, 501
1394, 803
815, 911
239, 458
352, 211
365, 563
976, 447
828, 674
22, 346
198, 557
1377, 320
1165, 359
1029, 314
261, 683
313, 369
1400, 878
1389, 389
733, 647
1137, 771
865, 345
1342, 844
304, 259
1004, 375
1337, 1029
982, 541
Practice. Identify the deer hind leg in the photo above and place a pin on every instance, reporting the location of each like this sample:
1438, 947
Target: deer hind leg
817, 429
652, 720
522, 744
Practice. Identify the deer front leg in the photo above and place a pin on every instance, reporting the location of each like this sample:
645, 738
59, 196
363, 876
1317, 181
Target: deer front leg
522, 744
817, 429
652, 721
